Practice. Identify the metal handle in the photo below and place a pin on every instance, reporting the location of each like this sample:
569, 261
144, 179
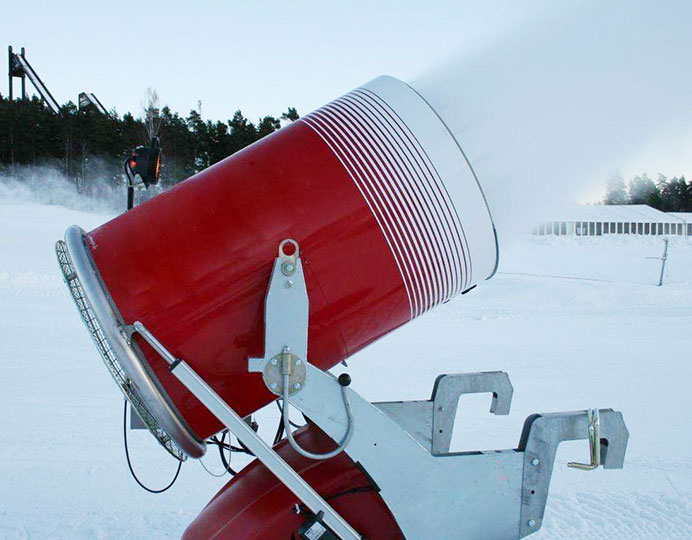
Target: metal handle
594, 429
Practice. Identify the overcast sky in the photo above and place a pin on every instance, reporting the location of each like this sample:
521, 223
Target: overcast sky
264, 56
260, 57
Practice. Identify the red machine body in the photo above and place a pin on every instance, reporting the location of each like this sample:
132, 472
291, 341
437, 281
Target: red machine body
256, 506
194, 264
388, 215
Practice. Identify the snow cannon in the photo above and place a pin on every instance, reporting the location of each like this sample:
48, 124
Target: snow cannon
246, 283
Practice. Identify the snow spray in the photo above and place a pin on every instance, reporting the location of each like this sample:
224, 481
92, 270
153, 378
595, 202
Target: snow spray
547, 113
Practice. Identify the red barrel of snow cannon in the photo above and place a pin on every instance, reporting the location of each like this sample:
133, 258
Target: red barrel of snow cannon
390, 221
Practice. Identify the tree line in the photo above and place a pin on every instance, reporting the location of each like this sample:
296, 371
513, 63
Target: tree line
88, 147
665, 194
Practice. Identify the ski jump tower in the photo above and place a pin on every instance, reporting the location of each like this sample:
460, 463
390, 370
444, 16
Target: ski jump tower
88, 99
20, 68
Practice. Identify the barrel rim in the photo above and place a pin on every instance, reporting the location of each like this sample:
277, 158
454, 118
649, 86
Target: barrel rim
473, 173
124, 360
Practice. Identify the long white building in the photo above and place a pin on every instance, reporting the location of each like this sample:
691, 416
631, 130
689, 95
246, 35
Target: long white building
597, 220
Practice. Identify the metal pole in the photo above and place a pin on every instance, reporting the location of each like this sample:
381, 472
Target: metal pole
23, 80
130, 197
130, 186
284, 472
9, 69
663, 261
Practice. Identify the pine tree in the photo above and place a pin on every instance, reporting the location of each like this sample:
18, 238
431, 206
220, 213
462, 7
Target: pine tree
243, 132
267, 125
90, 147
643, 190
616, 191
291, 115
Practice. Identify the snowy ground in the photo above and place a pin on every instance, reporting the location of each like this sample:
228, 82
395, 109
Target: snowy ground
612, 340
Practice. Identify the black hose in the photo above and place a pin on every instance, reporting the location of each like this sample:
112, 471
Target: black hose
129, 463
226, 463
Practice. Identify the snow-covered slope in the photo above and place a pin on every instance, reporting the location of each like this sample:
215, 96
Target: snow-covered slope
609, 339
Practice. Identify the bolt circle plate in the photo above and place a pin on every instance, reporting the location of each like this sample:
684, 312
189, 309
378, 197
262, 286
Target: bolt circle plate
273, 376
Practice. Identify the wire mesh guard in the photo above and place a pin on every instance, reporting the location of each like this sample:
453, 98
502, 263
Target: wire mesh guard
108, 355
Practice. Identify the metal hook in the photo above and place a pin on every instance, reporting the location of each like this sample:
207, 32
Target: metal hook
594, 428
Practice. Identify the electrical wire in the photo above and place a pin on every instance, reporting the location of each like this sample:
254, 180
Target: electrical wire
129, 463
297, 426
201, 462
279, 430
351, 491
223, 446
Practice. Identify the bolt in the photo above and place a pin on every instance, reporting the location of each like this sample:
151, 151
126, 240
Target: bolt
535, 461
288, 284
273, 386
296, 386
288, 268
298, 362
274, 361
532, 523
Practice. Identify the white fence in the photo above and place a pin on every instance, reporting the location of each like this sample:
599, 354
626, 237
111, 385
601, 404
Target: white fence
599, 228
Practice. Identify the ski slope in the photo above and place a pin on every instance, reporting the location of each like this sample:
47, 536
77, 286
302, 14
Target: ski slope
609, 338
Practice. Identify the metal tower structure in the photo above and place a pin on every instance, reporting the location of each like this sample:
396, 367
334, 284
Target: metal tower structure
19, 67
88, 99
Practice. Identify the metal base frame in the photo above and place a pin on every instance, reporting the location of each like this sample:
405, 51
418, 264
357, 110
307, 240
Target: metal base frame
404, 446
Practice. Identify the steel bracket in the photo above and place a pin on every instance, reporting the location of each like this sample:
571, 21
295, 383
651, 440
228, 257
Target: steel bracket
286, 310
540, 438
404, 446
431, 422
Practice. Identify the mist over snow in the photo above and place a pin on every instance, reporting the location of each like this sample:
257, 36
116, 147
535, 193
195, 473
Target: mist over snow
547, 113
45, 184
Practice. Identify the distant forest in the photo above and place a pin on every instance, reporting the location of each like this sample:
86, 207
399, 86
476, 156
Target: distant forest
666, 194
88, 147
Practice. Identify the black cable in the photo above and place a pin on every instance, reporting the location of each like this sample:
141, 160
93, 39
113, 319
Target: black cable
352, 491
281, 410
279, 432
226, 464
280, 428
221, 445
129, 463
241, 449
